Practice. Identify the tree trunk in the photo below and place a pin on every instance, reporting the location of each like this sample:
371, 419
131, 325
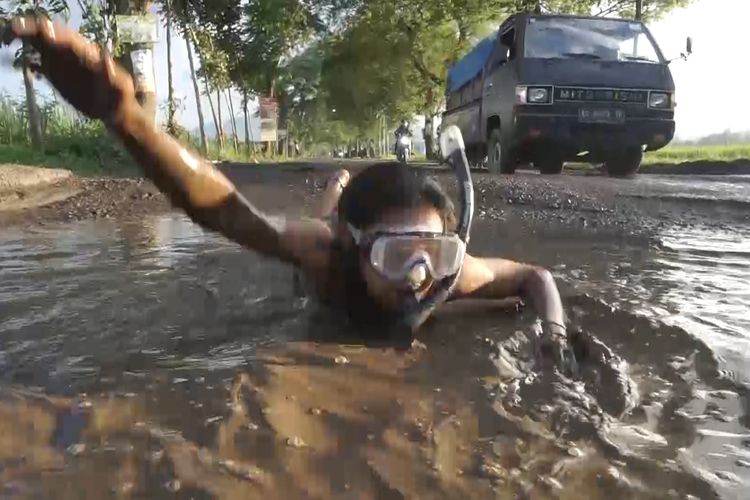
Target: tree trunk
271, 146
383, 148
171, 108
211, 105
429, 137
247, 122
639, 10
35, 117
388, 146
283, 121
235, 139
201, 121
221, 120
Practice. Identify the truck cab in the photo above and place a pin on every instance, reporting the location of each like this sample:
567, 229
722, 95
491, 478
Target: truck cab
549, 89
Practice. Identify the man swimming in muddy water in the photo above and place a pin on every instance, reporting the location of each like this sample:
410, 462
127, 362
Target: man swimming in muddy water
388, 251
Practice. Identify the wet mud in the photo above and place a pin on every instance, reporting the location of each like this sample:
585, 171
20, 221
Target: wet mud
143, 357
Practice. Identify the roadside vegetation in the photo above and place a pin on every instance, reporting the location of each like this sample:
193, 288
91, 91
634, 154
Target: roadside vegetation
77, 144
683, 153
83, 146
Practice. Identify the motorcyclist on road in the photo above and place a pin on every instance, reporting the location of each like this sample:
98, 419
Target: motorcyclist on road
403, 129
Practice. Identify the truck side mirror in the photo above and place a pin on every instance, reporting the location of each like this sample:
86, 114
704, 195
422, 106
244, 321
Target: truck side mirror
498, 59
688, 50
503, 55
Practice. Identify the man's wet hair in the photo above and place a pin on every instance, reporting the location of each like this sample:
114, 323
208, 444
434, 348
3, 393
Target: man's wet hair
386, 186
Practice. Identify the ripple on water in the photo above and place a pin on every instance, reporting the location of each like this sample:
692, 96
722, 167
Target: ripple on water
710, 292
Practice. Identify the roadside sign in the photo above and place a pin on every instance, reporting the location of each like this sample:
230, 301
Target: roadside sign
268, 109
138, 29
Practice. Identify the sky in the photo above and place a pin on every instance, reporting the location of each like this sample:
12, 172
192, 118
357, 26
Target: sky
710, 84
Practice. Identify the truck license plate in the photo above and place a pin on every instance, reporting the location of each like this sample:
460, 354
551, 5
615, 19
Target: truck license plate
601, 115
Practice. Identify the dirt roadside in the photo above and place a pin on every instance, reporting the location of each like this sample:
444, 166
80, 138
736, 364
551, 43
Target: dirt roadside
78, 199
27, 198
293, 188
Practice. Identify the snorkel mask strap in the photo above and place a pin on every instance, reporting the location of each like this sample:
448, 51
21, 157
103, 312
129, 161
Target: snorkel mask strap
454, 153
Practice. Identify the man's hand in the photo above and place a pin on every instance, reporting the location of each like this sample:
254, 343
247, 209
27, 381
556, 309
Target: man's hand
88, 78
84, 74
331, 193
552, 346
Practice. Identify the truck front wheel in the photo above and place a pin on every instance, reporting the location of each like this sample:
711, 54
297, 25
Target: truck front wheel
499, 160
624, 164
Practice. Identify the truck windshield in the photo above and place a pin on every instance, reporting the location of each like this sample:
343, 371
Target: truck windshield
595, 39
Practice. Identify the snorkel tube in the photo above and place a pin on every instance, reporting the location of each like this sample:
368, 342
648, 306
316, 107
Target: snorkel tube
454, 153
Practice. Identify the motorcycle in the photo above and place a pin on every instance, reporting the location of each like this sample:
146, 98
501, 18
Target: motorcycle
403, 149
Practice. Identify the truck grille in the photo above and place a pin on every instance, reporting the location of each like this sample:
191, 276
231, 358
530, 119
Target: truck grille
581, 94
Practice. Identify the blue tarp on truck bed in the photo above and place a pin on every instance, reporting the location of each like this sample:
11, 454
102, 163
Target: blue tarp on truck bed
471, 64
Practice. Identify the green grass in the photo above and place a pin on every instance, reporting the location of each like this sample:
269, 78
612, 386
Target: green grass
70, 141
240, 156
80, 164
681, 153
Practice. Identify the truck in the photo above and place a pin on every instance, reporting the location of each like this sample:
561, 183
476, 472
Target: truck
549, 89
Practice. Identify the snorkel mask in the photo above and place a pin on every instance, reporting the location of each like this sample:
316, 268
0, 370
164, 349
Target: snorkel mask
409, 254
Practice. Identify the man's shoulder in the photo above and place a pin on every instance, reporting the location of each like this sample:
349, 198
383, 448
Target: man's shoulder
310, 241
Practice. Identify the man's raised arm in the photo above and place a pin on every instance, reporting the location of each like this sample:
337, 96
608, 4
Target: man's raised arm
88, 78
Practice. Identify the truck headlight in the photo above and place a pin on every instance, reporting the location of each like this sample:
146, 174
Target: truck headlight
538, 95
533, 95
660, 100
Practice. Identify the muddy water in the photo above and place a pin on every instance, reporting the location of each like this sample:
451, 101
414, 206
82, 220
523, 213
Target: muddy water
146, 358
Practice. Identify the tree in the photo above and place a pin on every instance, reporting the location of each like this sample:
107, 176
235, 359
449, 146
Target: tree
245, 113
215, 73
26, 59
269, 35
261, 36
171, 108
182, 18
230, 105
646, 10
398, 53
308, 107
196, 89
97, 21
211, 26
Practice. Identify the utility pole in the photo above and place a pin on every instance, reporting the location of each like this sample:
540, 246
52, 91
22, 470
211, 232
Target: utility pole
639, 10
138, 51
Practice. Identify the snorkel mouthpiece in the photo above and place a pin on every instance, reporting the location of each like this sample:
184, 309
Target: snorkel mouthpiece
417, 276
454, 153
